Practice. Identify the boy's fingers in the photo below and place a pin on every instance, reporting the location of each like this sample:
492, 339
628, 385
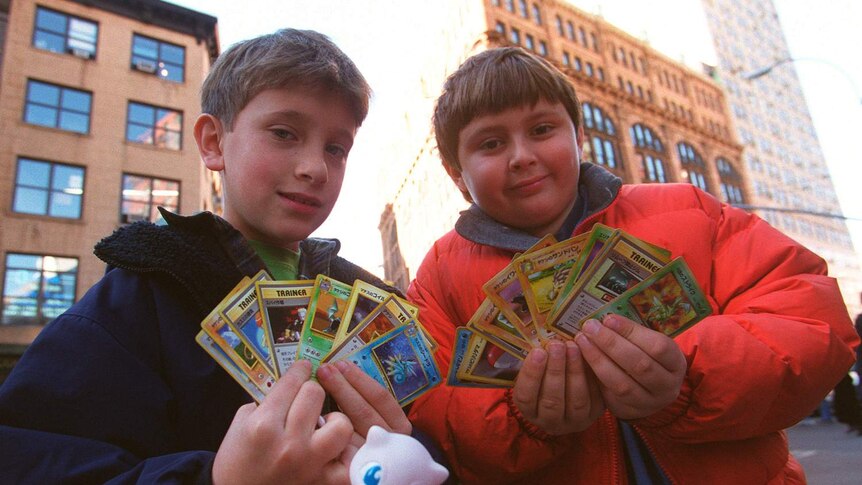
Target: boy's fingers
349, 399
551, 405
330, 440
285, 389
526, 392
658, 345
376, 395
302, 417
578, 396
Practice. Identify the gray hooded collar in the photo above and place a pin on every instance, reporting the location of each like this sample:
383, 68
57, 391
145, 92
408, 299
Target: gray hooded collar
597, 188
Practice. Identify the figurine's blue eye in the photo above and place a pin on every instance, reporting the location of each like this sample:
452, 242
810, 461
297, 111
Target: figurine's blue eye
371, 473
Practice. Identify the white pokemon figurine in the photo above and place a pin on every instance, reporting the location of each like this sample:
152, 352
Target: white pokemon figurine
394, 459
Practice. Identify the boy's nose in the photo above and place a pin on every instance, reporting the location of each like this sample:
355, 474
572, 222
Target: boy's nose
522, 155
312, 167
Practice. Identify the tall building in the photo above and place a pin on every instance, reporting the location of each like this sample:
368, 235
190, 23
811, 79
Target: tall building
791, 184
97, 105
647, 118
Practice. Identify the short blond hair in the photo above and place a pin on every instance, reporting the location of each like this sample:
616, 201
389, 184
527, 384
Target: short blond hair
285, 59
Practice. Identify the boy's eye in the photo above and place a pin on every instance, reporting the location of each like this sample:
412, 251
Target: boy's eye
490, 144
542, 129
336, 150
282, 133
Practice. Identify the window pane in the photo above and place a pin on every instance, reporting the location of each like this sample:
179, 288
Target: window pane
52, 21
49, 42
68, 179
172, 72
33, 173
43, 93
74, 122
141, 114
138, 210
173, 54
65, 205
139, 134
76, 101
170, 120
40, 115
136, 188
145, 47
167, 139
83, 31
30, 201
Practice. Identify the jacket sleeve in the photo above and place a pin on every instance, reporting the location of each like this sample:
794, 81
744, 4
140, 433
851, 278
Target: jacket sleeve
479, 430
82, 407
779, 340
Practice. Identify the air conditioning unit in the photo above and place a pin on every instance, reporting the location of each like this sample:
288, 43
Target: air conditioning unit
82, 53
130, 218
145, 66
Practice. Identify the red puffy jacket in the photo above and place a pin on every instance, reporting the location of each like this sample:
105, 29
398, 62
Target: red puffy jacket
777, 342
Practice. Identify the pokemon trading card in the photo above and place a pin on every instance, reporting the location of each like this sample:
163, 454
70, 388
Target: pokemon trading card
388, 316
226, 338
489, 364
462, 338
488, 321
283, 305
401, 362
624, 262
325, 315
670, 301
242, 314
542, 275
364, 298
209, 345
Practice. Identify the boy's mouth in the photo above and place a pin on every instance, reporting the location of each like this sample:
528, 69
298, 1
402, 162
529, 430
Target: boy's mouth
301, 199
526, 183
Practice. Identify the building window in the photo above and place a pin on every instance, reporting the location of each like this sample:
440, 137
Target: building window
537, 14
153, 125
162, 59
522, 8
143, 195
602, 147
58, 32
501, 28
559, 22
582, 36
567, 59
601, 73
570, 28
731, 182
510, 5
528, 42
589, 69
37, 288
57, 107
651, 150
516, 36
48, 189
693, 166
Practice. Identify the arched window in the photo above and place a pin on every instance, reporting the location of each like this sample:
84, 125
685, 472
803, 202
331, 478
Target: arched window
651, 150
731, 182
693, 166
537, 14
601, 139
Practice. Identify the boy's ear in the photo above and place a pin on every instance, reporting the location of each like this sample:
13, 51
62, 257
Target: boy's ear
456, 177
209, 133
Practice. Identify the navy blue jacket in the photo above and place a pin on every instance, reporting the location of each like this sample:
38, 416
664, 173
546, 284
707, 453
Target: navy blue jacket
116, 389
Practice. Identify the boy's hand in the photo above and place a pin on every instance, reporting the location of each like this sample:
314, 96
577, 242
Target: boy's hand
279, 440
555, 390
640, 371
362, 398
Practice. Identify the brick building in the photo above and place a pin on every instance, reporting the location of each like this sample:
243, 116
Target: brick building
97, 105
647, 118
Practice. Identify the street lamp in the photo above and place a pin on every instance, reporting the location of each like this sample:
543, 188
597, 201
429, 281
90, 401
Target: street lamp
760, 72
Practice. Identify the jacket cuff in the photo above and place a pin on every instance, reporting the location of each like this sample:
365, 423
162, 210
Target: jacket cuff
670, 413
529, 428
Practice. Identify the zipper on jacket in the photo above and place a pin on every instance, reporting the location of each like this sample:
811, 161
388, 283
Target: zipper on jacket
652, 454
614, 439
